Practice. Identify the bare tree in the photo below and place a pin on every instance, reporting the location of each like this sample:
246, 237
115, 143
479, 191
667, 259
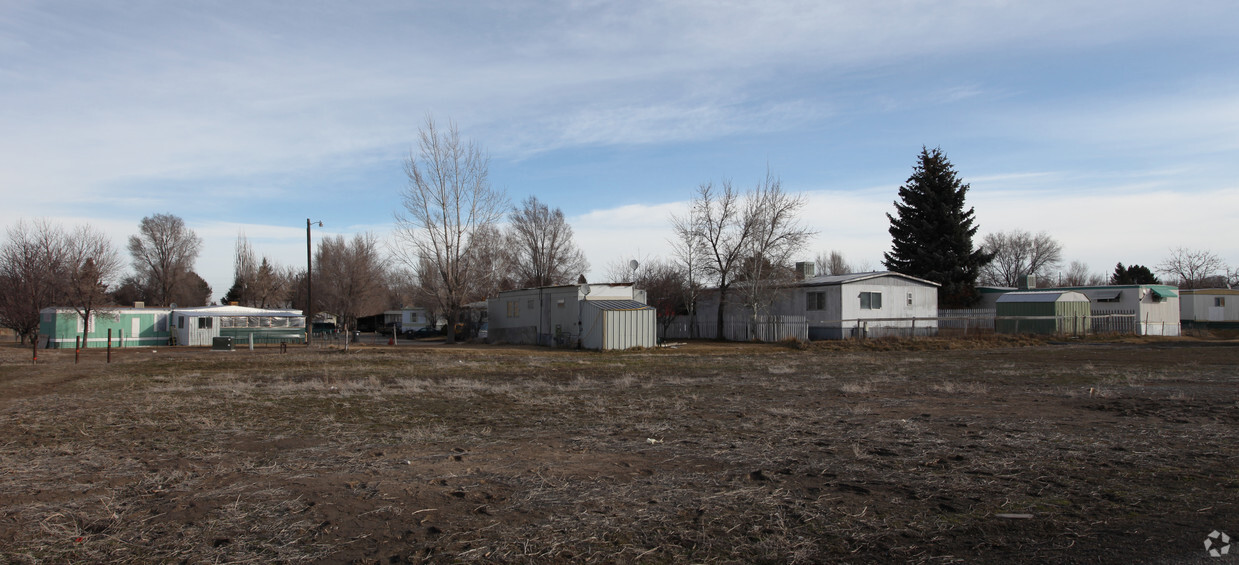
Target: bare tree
244, 271
447, 202
540, 240
1018, 253
91, 264
31, 274
1191, 267
721, 234
832, 263
778, 236
690, 261
351, 278
1078, 274
256, 283
163, 253
743, 236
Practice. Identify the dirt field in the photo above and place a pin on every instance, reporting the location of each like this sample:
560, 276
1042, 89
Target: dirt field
923, 451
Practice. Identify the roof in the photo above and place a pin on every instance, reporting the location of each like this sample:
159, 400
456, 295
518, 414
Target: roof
833, 280
1209, 291
110, 310
1043, 296
238, 311
618, 305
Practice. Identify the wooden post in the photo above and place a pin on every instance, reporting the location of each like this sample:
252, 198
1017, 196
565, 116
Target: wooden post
77, 348
109, 345
35, 349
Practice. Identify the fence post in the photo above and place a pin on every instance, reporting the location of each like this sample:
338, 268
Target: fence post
77, 348
109, 345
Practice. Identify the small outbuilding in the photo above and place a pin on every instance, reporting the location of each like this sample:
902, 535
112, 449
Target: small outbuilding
1053, 312
617, 324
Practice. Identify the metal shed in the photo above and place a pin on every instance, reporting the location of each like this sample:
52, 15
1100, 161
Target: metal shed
618, 324
1043, 312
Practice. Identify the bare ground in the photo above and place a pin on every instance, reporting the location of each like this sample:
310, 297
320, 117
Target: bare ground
931, 451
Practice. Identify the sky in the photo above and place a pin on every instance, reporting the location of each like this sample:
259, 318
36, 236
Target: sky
1111, 125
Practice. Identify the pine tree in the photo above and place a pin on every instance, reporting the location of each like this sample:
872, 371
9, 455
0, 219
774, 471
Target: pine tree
1135, 274
932, 235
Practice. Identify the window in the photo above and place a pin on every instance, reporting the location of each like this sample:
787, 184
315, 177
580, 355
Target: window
514, 309
815, 301
909, 299
870, 301
1219, 301
204, 323
529, 304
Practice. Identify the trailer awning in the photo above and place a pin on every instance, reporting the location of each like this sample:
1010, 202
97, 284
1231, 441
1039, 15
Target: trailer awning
1164, 293
1106, 294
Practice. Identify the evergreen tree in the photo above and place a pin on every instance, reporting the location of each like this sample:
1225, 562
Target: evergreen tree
932, 235
1135, 274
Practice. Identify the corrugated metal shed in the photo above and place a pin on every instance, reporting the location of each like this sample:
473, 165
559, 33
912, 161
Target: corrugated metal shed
618, 324
1043, 312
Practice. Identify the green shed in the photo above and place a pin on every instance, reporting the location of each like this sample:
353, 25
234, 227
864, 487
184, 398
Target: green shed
1043, 312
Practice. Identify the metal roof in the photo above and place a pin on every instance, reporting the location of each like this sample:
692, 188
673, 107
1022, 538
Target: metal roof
618, 305
237, 311
831, 280
1043, 296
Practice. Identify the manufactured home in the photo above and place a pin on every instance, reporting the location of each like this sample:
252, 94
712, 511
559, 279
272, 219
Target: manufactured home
61, 327
1150, 309
198, 326
874, 304
1209, 308
592, 316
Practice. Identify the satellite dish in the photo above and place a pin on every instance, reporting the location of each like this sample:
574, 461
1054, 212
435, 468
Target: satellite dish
633, 264
173, 305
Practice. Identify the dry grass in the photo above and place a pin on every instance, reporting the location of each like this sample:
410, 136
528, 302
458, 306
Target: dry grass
708, 453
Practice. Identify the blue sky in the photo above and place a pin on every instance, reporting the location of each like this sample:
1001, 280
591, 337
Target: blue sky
1112, 125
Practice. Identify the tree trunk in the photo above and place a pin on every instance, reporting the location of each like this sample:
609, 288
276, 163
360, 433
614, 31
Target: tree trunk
722, 308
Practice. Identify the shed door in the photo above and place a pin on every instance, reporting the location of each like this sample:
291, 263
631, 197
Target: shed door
135, 327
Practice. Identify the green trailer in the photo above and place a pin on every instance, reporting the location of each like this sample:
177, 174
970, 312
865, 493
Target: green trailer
61, 327
1052, 312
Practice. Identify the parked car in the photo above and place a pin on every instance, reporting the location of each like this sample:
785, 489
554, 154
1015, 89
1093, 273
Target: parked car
421, 332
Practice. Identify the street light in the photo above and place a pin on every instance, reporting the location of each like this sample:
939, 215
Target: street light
309, 283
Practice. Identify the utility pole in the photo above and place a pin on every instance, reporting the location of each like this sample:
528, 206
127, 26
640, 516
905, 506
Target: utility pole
309, 283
